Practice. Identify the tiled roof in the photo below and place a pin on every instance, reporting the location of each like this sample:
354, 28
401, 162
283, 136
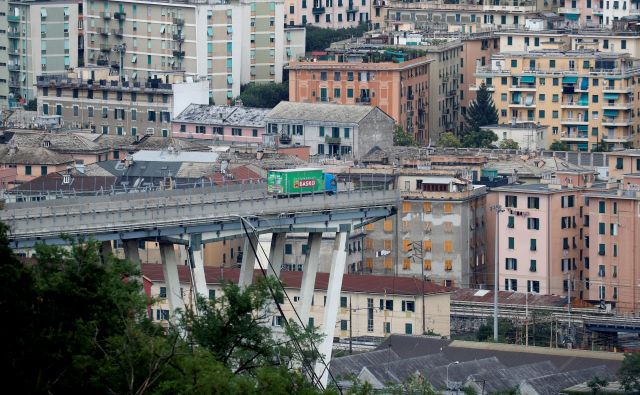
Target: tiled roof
53, 182
59, 142
319, 112
507, 297
33, 156
239, 173
350, 282
223, 115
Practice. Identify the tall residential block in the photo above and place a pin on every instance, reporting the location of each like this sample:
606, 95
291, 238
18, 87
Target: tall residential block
4, 57
231, 43
43, 38
399, 89
585, 97
334, 14
614, 230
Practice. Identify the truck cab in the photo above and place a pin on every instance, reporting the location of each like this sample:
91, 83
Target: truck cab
330, 184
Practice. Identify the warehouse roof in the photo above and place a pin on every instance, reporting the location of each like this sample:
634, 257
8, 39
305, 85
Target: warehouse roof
223, 115
320, 112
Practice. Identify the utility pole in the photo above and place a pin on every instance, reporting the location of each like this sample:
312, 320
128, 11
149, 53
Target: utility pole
496, 278
526, 318
350, 328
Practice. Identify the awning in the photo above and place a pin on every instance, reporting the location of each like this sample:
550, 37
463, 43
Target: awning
583, 146
569, 79
613, 77
43, 12
611, 113
528, 79
611, 96
229, 95
529, 100
571, 17
229, 80
583, 128
584, 99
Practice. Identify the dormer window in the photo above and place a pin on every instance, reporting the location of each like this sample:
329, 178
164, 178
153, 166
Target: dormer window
46, 143
66, 179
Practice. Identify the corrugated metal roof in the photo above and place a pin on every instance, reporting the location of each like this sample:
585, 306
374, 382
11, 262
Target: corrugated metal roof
223, 115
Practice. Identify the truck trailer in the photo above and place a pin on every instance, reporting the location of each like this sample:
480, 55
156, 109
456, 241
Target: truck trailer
301, 181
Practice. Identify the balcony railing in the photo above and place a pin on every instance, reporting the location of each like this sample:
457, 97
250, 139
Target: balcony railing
178, 54
574, 120
318, 10
352, 8
573, 135
117, 32
576, 103
105, 15
13, 67
13, 34
13, 18
568, 10
332, 140
178, 21
121, 16
103, 31
617, 121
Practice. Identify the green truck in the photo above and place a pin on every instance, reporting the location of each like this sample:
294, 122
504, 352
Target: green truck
300, 181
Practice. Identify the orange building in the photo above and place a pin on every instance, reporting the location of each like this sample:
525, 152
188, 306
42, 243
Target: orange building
614, 231
398, 89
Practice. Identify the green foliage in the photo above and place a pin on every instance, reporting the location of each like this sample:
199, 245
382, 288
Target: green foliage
480, 138
601, 147
481, 112
266, 95
402, 138
32, 105
468, 391
319, 39
449, 139
596, 383
359, 388
508, 144
629, 372
558, 146
430, 332
506, 331
414, 385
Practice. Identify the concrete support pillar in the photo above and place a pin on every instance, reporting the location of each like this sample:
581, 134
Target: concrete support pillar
338, 262
171, 279
248, 261
106, 250
197, 266
276, 253
131, 252
307, 286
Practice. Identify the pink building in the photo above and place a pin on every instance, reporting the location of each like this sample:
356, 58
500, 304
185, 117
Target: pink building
613, 274
230, 124
581, 12
541, 241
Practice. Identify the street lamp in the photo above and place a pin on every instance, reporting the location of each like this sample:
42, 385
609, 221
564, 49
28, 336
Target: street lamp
498, 209
452, 363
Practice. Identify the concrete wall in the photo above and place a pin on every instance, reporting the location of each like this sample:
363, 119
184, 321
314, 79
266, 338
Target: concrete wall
374, 130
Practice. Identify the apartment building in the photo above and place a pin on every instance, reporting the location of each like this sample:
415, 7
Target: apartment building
333, 14
32, 162
467, 16
585, 97
400, 89
92, 98
369, 305
439, 230
542, 246
229, 43
331, 129
4, 58
228, 124
623, 162
614, 251
294, 43
43, 38
475, 47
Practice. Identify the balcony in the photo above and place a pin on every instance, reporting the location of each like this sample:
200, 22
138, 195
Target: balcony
13, 18
575, 104
523, 87
522, 103
596, 11
105, 15
13, 51
318, 10
105, 48
490, 88
617, 106
178, 21
613, 138
13, 34
352, 9
379, 3
364, 99
178, 54
178, 36
332, 140
13, 67
121, 16
616, 121
117, 32
102, 62
451, 93
575, 121
102, 31
14, 84
575, 136
617, 89
568, 10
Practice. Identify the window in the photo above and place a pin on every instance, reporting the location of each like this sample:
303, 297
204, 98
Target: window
27, 170
163, 292
343, 302
533, 245
619, 163
533, 286
447, 208
601, 228
43, 170
601, 208
288, 249
601, 249
408, 329
511, 201
448, 246
533, 265
510, 222
512, 243
448, 265
533, 223
511, 264
533, 202
344, 325
408, 305
509, 40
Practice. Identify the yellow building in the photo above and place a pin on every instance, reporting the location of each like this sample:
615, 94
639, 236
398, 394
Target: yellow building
586, 98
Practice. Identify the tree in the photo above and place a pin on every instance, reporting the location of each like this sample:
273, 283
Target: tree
402, 138
266, 95
449, 139
508, 144
506, 331
596, 383
415, 384
629, 372
481, 138
482, 111
32, 105
319, 39
559, 146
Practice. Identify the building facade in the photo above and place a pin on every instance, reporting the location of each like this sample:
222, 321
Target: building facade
585, 97
331, 129
92, 98
399, 89
623, 162
4, 58
333, 14
475, 47
229, 43
228, 124
43, 38
614, 251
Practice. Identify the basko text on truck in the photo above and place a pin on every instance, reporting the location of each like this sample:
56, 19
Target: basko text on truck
301, 181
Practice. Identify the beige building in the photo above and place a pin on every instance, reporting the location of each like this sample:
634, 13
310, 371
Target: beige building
375, 306
585, 97
475, 47
229, 43
333, 14
623, 162
93, 98
43, 38
4, 58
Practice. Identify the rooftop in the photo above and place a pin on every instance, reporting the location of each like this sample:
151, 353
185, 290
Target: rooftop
175, 156
350, 283
32, 156
60, 142
324, 112
380, 66
223, 115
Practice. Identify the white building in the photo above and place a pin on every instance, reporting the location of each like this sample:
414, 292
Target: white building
529, 136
